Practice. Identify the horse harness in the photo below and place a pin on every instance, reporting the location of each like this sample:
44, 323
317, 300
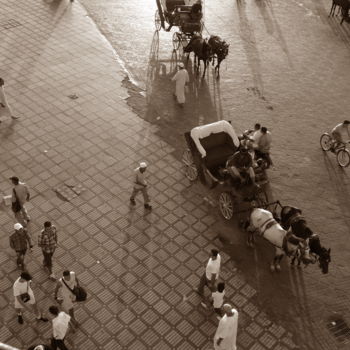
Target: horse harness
287, 238
269, 223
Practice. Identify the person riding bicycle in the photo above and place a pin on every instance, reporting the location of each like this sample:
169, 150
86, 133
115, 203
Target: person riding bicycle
341, 134
241, 162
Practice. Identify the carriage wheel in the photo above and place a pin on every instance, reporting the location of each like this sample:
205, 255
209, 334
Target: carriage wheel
191, 172
187, 158
326, 142
176, 40
157, 21
343, 158
226, 205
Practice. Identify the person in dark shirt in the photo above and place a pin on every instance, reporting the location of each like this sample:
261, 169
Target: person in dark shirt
241, 162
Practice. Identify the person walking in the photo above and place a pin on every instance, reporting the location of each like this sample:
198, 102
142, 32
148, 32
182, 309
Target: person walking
140, 185
60, 325
19, 242
5, 110
218, 299
181, 78
47, 241
64, 292
226, 334
20, 195
211, 273
24, 296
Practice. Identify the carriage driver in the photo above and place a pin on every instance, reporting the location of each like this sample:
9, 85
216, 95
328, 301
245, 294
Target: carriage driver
341, 133
241, 161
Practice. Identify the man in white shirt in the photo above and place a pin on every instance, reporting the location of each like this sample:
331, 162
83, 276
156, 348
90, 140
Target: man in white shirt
140, 185
341, 133
60, 325
20, 193
24, 297
211, 273
226, 334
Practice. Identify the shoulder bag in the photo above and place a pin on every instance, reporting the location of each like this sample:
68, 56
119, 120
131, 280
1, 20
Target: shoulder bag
25, 296
16, 205
78, 291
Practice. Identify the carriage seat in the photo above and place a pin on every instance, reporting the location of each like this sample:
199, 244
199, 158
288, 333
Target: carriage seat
172, 4
219, 147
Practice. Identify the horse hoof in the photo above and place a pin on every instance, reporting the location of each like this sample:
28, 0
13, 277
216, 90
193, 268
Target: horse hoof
272, 268
278, 268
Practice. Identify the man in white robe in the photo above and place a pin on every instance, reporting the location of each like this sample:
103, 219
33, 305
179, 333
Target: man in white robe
5, 110
181, 78
226, 334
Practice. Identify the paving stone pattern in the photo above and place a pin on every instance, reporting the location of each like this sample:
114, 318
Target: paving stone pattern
139, 268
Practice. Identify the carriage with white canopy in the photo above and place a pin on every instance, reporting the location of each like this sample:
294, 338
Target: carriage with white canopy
210, 149
186, 15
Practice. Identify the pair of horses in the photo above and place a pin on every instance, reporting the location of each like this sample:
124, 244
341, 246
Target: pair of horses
286, 234
207, 50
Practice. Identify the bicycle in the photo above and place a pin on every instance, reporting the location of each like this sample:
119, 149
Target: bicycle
328, 143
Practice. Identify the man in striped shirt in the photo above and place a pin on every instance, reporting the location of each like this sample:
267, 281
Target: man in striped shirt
47, 240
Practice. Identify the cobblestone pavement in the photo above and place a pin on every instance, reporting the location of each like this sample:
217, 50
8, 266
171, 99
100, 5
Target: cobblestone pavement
287, 68
140, 268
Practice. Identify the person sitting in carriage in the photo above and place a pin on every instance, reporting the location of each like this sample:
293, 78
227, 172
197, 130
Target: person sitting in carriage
195, 14
241, 163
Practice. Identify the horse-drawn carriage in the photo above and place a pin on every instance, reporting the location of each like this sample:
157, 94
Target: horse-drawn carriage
287, 230
210, 155
185, 14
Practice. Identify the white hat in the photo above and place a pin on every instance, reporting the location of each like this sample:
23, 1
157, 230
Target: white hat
143, 165
39, 347
181, 65
17, 226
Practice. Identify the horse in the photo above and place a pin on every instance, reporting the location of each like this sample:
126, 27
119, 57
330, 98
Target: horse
344, 6
201, 50
291, 218
219, 49
266, 225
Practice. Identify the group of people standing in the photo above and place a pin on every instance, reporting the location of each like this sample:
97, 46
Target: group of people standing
226, 334
63, 317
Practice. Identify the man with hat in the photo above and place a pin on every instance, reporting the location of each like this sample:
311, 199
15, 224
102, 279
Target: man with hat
226, 334
140, 185
19, 242
20, 194
181, 78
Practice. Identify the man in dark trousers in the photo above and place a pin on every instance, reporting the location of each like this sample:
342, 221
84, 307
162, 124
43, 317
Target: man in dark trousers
19, 242
47, 241
60, 325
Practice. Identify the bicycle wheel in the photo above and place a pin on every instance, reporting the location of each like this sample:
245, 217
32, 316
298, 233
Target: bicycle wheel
326, 142
343, 158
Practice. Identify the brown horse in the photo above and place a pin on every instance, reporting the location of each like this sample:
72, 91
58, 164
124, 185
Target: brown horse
219, 49
201, 49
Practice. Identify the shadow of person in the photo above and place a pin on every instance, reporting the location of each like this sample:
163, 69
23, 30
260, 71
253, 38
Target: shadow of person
159, 107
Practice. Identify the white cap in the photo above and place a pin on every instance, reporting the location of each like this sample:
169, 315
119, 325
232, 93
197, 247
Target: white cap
143, 165
39, 347
181, 65
17, 226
